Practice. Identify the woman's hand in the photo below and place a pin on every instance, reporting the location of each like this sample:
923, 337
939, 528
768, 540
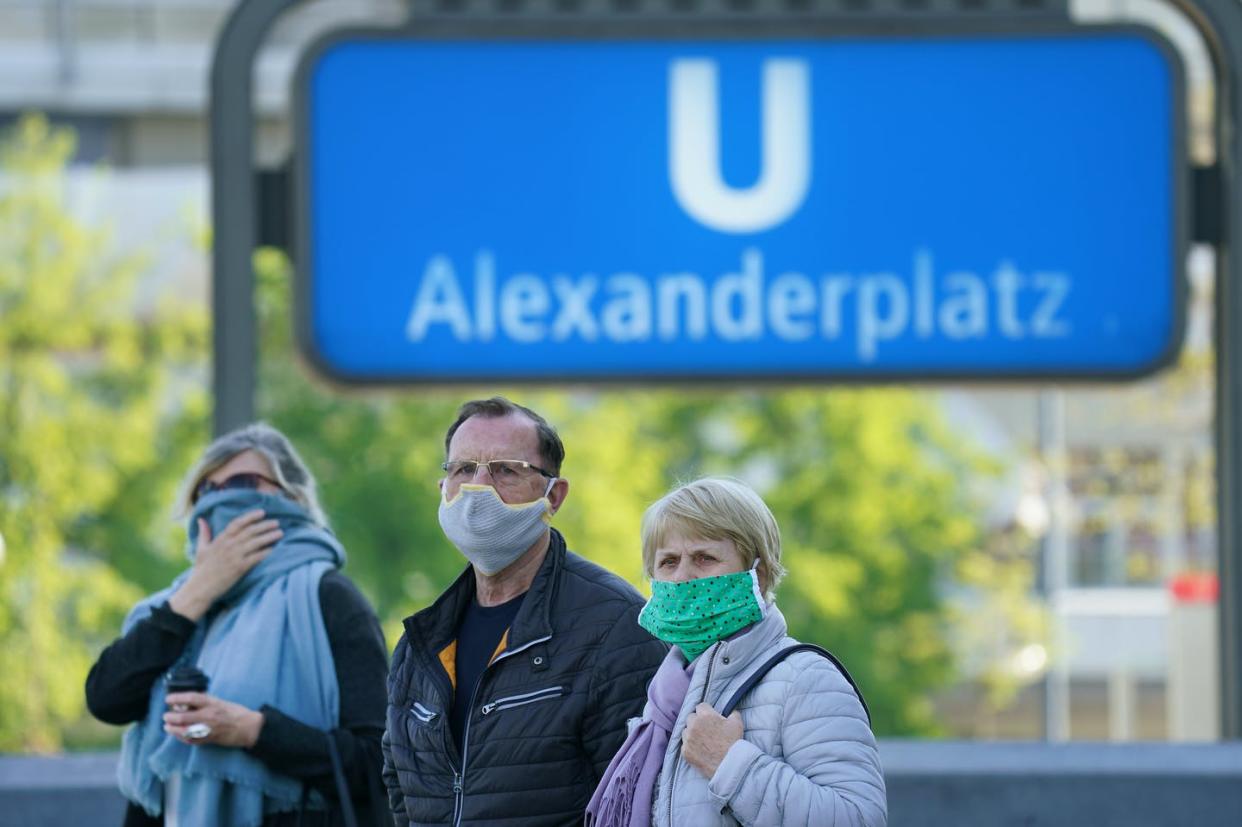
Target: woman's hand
230, 724
219, 562
708, 736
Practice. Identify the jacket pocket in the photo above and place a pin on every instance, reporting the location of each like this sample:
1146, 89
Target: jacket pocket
510, 701
423, 714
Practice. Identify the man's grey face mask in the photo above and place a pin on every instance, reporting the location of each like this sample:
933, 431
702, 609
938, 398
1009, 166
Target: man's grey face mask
490, 532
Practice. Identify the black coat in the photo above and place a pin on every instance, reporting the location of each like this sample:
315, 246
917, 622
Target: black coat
548, 713
119, 686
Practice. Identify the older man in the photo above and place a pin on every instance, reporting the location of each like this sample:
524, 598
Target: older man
509, 695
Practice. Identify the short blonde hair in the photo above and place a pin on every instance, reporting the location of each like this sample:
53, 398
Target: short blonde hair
717, 508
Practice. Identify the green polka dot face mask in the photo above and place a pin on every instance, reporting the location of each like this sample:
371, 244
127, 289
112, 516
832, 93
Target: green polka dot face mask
695, 614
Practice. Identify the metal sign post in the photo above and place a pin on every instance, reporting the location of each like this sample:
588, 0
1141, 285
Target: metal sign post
235, 211
1220, 21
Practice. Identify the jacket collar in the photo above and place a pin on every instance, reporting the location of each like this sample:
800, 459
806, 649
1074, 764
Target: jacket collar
730, 661
434, 627
534, 618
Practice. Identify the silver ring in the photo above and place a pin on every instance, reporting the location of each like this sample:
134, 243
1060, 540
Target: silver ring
196, 732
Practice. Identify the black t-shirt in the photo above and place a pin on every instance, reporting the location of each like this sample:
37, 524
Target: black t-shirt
481, 629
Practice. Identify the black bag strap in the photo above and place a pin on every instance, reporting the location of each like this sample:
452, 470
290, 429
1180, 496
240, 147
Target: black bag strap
758, 674
342, 788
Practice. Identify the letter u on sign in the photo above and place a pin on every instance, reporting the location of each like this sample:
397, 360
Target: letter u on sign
694, 147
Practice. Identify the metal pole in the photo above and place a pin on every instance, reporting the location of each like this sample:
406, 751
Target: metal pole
1122, 704
233, 209
1173, 518
62, 19
1056, 561
1220, 22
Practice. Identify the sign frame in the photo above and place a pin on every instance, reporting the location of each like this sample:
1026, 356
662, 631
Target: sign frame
612, 30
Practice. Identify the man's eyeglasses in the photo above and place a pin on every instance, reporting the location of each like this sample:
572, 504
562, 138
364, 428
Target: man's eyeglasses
502, 471
243, 480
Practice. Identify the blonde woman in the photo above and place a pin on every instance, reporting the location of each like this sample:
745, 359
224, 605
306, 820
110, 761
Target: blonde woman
794, 744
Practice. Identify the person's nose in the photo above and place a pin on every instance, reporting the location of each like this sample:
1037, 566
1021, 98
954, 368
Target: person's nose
483, 475
682, 573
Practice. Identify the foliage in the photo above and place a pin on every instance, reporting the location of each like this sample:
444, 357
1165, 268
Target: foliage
89, 426
867, 486
376, 458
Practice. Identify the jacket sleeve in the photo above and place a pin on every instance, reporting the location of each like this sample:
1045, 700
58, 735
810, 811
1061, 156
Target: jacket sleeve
396, 799
118, 688
361, 664
830, 775
627, 659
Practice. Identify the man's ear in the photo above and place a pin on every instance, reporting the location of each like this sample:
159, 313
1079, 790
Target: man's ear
560, 490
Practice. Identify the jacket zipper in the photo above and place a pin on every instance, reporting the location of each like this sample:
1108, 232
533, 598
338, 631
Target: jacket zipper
448, 751
521, 700
457, 796
459, 778
672, 784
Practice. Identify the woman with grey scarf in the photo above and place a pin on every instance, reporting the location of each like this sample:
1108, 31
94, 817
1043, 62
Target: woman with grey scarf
291, 718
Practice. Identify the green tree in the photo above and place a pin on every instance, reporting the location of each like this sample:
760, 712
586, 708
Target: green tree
91, 425
376, 456
870, 490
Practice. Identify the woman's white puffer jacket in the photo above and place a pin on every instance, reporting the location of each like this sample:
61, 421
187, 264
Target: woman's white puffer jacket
807, 757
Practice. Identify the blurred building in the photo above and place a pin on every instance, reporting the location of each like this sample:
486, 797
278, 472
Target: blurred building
132, 75
1117, 496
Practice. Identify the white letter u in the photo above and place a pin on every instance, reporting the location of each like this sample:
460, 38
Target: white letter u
694, 147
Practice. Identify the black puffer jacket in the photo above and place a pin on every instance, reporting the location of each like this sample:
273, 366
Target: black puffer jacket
548, 713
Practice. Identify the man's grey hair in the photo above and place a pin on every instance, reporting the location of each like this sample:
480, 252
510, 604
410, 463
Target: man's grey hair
551, 449
288, 469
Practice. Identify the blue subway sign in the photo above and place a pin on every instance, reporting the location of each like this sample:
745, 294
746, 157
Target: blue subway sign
982, 206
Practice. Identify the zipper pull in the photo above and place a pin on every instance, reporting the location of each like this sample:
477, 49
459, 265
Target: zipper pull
456, 783
488, 708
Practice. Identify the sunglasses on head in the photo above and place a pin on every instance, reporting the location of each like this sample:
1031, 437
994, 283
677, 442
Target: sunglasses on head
244, 480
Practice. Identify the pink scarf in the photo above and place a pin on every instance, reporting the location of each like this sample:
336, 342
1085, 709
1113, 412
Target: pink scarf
623, 797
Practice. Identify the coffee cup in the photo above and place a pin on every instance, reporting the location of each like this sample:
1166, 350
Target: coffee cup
186, 678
